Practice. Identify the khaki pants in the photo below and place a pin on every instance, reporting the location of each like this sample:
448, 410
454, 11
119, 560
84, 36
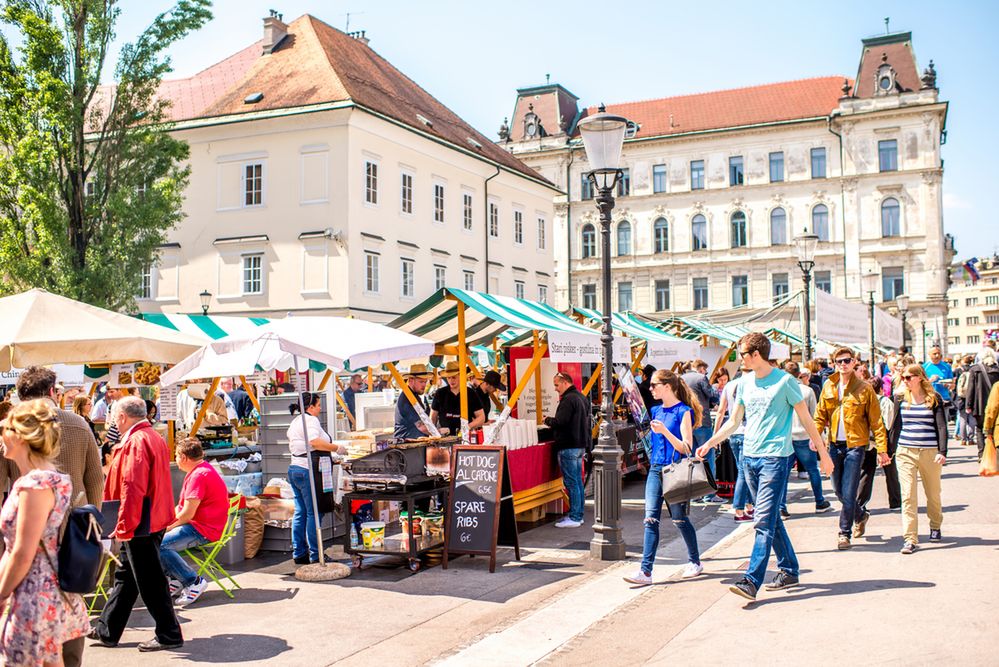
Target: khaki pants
912, 461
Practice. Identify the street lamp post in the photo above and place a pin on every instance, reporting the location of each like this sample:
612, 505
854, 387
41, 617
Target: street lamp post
870, 285
206, 300
902, 302
603, 137
805, 248
922, 315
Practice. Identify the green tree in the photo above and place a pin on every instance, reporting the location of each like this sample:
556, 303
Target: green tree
90, 180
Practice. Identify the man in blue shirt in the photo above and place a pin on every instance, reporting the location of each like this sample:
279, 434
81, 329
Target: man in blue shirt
356, 386
941, 375
768, 398
408, 424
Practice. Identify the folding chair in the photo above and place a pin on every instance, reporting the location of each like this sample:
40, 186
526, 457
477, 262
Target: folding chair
205, 555
101, 591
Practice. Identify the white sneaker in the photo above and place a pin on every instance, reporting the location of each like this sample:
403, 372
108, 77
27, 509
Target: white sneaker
692, 570
192, 592
566, 522
175, 587
639, 578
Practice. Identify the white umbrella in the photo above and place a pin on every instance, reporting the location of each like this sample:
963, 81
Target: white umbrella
40, 328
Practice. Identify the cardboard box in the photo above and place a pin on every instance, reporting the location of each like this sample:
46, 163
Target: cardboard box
277, 509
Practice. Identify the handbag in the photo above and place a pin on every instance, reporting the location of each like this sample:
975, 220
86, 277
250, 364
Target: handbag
687, 479
81, 554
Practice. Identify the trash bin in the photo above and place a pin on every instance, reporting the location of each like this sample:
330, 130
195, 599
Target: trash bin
234, 552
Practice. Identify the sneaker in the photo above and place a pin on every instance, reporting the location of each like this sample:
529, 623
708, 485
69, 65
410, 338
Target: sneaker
715, 499
782, 580
861, 526
175, 587
302, 560
566, 522
750, 512
823, 507
935, 535
802, 475
909, 547
192, 592
692, 570
744, 517
843, 543
896, 510
784, 514
745, 588
639, 578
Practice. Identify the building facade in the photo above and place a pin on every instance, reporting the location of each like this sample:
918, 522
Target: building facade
717, 185
973, 307
324, 180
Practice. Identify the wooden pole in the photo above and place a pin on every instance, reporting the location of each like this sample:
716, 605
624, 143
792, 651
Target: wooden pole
462, 366
326, 378
539, 352
371, 379
204, 407
253, 397
402, 383
537, 385
593, 379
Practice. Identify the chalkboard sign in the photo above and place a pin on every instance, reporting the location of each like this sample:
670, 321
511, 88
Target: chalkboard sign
480, 506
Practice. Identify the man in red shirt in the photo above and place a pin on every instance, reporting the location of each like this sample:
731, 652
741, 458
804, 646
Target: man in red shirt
139, 479
201, 517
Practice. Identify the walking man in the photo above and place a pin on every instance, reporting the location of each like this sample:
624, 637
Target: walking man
571, 424
767, 398
849, 408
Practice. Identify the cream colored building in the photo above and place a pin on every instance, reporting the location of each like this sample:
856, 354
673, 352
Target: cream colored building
326, 181
973, 313
719, 184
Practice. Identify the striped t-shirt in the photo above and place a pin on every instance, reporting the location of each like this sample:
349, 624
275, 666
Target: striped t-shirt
919, 428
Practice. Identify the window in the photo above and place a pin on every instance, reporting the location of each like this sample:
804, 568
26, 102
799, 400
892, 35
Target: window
697, 175
778, 227
781, 286
660, 235
740, 291
542, 229
253, 184
888, 155
371, 283
973, 301
953, 321
440, 276
698, 233
146, 283
589, 241
700, 286
407, 282
371, 182
623, 238
890, 225
624, 296
253, 274
992, 319
974, 339
736, 175
659, 178
776, 167
141, 189
892, 283
468, 279
493, 220
586, 189
406, 193
823, 281
818, 162
518, 227
662, 295
543, 293
438, 202
466, 211
956, 340
992, 300
738, 229
971, 320
624, 185
820, 222
590, 296
518, 289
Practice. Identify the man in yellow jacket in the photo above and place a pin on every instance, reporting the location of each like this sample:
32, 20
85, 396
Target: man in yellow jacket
849, 408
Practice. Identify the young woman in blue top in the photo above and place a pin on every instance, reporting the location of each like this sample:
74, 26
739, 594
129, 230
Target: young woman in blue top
673, 424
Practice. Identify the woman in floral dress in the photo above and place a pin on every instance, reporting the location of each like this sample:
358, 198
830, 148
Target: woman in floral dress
39, 616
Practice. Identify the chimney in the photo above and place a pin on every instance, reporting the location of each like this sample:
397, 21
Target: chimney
275, 30
359, 35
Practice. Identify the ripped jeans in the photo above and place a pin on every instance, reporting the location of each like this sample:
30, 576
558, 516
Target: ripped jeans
677, 512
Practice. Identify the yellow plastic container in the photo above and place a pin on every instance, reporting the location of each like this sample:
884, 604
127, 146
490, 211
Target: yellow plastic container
373, 534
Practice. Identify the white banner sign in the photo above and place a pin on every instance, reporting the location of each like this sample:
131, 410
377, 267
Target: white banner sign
665, 353
840, 320
585, 348
887, 329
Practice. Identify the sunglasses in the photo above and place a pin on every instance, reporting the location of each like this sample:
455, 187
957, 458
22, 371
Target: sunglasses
743, 353
655, 384
844, 361
906, 378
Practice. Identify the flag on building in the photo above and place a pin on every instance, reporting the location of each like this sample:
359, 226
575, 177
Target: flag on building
969, 268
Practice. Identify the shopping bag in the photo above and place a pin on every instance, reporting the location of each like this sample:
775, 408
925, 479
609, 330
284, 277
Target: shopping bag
687, 479
989, 465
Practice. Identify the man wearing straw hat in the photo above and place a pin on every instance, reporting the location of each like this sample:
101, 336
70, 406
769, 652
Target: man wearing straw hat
408, 424
446, 409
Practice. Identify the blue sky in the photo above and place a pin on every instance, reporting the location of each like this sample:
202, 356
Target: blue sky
473, 55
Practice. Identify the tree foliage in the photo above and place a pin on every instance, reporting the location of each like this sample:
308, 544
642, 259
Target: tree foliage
90, 181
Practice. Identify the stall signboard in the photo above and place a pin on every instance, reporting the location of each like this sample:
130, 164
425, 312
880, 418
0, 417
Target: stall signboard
887, 329
129, 376
480, 513
585, 348
520, 359
711, 354
68, 376
168, 402
665, 353
840, 320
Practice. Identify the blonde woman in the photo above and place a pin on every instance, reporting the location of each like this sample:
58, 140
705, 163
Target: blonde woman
919, 430
40, 617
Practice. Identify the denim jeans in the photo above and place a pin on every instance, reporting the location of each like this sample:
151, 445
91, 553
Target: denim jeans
653, 510
741, 494
964, 428
176, 540
767, 480
848, 463
810, 460
571, 463
303, 521
701, 435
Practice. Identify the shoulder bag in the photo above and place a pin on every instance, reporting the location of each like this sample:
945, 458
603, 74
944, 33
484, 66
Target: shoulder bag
687, 479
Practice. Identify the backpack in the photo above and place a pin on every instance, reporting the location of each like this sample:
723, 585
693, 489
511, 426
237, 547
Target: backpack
962, 385
81, 553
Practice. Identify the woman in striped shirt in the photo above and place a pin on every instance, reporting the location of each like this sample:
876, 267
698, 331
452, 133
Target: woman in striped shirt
919, 430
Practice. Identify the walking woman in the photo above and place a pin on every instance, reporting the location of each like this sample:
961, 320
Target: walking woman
40, 617
920, 430
673, 424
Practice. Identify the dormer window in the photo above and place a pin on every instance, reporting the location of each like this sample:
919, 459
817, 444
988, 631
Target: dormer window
631, 130
532, 124
884, 78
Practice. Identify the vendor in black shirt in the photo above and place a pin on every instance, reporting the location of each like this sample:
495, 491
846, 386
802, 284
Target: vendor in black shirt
445, 411
485, 387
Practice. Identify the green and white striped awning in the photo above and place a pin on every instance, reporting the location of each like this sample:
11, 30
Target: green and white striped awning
210, 327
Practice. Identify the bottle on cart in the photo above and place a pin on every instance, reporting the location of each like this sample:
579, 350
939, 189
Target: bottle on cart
353, 536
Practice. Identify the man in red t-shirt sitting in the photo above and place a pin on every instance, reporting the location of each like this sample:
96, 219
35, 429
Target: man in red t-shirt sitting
201, 517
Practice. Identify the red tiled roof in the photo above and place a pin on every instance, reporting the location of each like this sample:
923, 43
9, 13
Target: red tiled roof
789, 100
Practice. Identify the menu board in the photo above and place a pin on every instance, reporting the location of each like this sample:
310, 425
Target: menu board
127, 376
480, 511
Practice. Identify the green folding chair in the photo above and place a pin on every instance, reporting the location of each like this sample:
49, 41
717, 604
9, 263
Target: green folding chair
204, 555
101, 592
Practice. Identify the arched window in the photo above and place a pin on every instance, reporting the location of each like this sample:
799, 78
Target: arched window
589, 241
890, 221
623, 238
698, 233
778, 227
739, 230
820, 222
660, 235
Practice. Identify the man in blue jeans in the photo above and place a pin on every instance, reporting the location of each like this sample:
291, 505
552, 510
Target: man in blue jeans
571, 425
802, 447
767, 398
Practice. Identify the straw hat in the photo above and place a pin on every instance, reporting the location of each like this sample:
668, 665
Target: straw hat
419, 371
451, 370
